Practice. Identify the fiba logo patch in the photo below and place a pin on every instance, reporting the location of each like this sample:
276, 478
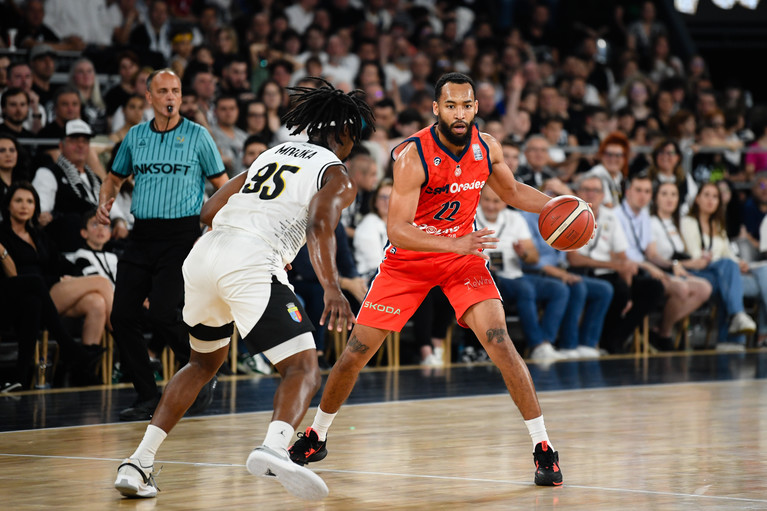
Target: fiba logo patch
179, 142
437, 161
295, 314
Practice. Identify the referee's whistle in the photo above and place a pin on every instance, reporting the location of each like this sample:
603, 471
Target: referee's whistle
170, 109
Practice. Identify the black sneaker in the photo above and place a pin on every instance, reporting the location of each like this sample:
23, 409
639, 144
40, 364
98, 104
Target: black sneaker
140, 410
308, 448
547, 471
661, 343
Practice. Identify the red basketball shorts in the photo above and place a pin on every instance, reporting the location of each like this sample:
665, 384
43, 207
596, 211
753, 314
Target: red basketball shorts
403, 282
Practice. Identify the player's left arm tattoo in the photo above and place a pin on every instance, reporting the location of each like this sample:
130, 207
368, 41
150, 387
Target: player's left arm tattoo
356, 346
497, 335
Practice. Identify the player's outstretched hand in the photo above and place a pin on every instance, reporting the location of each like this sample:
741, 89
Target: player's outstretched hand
337, 312
474, 242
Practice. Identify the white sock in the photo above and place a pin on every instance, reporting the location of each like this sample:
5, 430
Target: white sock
322, 422
279, 435
147, 449
537, 430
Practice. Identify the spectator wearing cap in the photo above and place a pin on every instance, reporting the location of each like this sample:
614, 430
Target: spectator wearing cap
68, 188
43, 65
20, 76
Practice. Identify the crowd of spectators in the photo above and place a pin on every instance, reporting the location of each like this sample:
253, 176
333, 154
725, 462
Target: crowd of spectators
581, 108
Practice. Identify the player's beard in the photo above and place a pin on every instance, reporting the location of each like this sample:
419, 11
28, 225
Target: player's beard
453, 138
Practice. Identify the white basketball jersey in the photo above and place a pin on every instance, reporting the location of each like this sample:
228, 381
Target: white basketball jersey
274, 202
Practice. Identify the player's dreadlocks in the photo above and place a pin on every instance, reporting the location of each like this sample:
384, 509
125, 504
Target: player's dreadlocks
325, 111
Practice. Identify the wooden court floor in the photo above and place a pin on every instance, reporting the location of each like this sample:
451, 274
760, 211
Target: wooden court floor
663, 447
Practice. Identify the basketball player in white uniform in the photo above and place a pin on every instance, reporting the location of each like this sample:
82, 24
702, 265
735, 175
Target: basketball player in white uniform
292, 194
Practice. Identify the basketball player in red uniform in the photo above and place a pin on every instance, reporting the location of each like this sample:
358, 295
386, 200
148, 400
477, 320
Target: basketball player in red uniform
438, 175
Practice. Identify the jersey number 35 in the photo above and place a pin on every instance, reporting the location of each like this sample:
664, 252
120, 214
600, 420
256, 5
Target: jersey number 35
268, 180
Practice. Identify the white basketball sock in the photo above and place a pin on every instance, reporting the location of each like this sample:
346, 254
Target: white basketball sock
146, 450
322, 422
279, 435
537, 430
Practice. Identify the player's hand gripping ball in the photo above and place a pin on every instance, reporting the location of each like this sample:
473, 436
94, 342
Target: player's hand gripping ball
566, 223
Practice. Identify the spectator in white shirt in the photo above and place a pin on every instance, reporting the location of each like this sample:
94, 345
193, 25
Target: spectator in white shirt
301, 14
370, 237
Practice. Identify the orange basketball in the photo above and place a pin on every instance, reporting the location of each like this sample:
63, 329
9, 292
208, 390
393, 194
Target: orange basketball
566, 223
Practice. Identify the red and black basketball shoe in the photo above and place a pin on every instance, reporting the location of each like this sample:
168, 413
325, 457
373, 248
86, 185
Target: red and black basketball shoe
547, 471
308, 448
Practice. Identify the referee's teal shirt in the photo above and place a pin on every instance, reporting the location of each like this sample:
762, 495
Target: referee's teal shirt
170, 168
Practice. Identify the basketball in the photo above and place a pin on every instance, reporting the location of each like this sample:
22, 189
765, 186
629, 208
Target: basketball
566, 223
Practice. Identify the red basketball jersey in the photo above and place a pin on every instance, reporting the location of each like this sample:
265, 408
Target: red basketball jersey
450, 195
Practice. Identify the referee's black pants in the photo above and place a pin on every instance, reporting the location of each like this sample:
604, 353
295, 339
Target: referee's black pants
151, 267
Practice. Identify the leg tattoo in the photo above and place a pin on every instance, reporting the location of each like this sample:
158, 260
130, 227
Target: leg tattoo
497, 335
356, 346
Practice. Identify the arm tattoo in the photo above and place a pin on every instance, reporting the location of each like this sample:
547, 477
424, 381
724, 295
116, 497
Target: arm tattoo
356, 346
496, 335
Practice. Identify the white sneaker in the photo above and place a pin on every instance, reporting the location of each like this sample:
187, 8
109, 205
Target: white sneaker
545, 351
570, 354
432, 361
300, 481
742, 323
135, 480
9, 387
255, 364
730, 347
262, 366
588, 352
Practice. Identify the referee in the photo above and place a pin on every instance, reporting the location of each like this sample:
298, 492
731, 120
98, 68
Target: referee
170, 157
